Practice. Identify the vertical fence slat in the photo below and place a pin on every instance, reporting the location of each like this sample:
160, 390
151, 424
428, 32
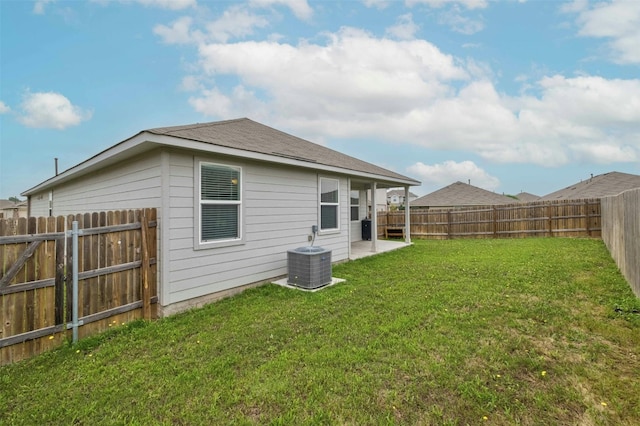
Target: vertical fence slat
111, 253
145, 291
59, 308
152, 244
125, 247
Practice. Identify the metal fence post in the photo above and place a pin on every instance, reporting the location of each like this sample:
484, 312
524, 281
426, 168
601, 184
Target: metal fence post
74, 272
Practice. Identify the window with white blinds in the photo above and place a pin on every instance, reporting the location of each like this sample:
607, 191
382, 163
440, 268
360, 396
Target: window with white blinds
220, 202
329, 204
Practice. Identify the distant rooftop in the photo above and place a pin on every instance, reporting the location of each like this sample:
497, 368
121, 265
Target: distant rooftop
399, 192
526, 197
599, 186
461, 194
8, 204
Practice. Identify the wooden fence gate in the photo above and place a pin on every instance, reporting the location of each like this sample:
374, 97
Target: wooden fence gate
116, 277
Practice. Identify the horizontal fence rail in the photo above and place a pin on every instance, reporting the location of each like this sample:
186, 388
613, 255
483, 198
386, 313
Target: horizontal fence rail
116, 277
541, 218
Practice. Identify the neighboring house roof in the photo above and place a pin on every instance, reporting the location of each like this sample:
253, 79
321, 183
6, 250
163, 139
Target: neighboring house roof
240, 137
12, 210
7, 204
399, 193
526, 197
603, 185
461, 194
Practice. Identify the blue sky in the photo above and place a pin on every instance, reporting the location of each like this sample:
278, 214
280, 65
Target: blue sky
510, 95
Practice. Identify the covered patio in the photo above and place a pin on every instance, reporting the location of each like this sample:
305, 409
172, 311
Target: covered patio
360, 249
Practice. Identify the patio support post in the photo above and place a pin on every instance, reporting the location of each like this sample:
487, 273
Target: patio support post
374, 218
407, 216
349, 221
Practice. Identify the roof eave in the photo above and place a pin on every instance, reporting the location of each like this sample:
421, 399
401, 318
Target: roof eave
131, 146
145, 140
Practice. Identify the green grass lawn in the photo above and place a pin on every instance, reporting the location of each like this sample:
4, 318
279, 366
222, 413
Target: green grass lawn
525, 331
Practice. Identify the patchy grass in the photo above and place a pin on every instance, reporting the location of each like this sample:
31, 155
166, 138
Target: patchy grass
532, 331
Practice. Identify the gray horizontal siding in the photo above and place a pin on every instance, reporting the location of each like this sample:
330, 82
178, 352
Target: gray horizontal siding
280, 205
39, 204
132, 184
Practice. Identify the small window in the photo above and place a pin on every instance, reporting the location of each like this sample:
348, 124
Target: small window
329, 205
220, 203
355, 205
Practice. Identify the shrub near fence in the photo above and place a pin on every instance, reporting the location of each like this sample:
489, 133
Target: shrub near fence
540, 218
116, 277
621, 234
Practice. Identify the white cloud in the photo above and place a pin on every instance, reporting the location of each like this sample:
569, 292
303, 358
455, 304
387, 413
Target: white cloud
212, 102
50, 110
162, 4
38, 6
453, 16
300, 8
439, 175
169, 4
354, 85
191, 83
617, 21
574, 6
353, 73
378, 4
603, 153
4, 108
405, 28
235, 22
592, 100
460, 23
469, 4
178, 33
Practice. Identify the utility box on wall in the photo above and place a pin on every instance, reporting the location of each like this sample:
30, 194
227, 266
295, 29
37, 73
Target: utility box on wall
309, 267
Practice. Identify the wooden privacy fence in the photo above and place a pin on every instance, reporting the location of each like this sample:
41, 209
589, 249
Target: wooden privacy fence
541, 218
621, 234
116, 277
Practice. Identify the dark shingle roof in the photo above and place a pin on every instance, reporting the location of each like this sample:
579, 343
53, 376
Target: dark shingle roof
603, 185
461, 194
248, 135
241, 137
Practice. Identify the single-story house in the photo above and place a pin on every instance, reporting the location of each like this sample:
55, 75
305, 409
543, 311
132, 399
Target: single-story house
396, 197
460, 194
381, 200
232, 197
13, 210
600, 186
